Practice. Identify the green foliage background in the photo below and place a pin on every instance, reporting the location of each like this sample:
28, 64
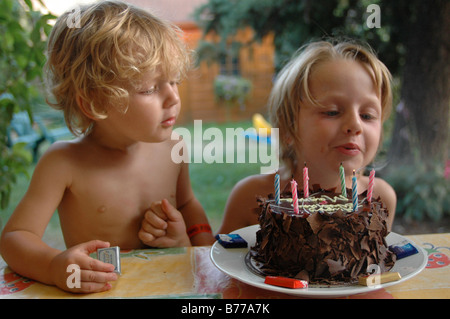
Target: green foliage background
23, 33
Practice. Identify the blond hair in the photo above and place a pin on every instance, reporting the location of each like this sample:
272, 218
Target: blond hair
291, 88
114, 44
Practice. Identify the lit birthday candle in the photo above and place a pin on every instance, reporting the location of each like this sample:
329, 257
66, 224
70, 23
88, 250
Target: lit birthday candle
294, 195
354, 192
342, 176
370, 188
277, 189
305, 182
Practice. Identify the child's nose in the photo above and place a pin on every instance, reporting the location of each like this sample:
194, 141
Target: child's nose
172, 96
352, 124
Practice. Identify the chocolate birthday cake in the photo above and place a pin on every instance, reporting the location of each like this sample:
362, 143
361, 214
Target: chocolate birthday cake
326, 242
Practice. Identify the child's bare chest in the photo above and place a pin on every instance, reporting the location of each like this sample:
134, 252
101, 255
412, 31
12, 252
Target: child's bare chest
109, 202
126, 186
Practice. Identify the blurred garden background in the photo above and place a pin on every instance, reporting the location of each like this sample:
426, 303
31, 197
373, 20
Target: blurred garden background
240, 46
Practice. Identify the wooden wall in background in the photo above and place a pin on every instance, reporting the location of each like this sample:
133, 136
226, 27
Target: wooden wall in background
197, 93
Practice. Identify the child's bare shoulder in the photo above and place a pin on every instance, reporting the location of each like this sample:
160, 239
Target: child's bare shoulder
63, 150
62, 157
248, 189
53, 173
256, 184
241, 204
388, 196
384, 190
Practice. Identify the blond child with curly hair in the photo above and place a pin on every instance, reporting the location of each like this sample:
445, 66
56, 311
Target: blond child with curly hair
329, 103
115, 78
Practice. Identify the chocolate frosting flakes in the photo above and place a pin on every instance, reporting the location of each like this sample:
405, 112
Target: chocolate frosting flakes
322, 247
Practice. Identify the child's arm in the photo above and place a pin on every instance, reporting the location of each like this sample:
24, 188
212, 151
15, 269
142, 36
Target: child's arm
197, 224
21, 243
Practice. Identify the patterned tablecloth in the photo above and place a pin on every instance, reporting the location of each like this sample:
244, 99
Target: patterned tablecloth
189, 273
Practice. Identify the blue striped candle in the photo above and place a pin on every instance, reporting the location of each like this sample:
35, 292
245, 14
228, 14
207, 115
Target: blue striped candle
277, 189
354, 192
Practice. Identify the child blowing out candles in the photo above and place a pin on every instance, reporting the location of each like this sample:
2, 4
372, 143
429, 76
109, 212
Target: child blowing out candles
329, 103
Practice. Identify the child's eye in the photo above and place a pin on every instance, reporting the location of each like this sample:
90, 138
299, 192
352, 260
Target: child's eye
152, 90
331, 113
368, 116
370, 112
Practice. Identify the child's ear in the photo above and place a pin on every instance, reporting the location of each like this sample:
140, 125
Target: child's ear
83, 106
86, 110
288, 140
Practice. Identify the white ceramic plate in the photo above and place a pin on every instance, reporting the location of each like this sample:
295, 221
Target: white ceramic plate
232, 262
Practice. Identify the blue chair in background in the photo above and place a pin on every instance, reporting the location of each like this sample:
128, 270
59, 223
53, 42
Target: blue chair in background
22, 130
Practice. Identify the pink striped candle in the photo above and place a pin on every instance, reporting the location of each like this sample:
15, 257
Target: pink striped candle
305, 182
294, 195
354, 192
370, 187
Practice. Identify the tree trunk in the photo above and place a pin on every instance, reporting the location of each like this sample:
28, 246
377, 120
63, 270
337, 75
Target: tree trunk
425, 89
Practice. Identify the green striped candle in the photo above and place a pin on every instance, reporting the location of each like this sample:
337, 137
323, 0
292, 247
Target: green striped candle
342, 176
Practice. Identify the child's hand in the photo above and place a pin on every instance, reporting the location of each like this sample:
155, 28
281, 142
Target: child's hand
163, 226
94, 274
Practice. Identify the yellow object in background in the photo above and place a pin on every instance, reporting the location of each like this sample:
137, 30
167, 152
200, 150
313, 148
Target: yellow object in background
259, 122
